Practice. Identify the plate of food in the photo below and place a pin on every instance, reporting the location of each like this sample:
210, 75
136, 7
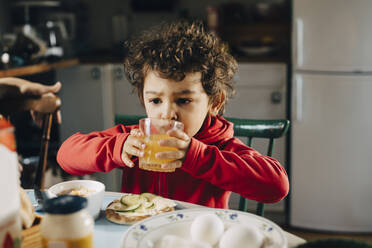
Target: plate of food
205, 228
131, 208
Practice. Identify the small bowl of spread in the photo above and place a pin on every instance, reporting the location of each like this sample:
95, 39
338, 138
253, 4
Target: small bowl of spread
92, 190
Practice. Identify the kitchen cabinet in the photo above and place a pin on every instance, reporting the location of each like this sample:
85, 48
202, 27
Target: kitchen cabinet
261, 90
125, 99
86, 93
91, 96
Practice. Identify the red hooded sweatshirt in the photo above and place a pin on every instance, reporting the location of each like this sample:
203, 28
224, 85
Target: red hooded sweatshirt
215, 164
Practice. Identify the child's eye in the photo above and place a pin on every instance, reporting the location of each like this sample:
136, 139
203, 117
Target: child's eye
155, 100
182, 101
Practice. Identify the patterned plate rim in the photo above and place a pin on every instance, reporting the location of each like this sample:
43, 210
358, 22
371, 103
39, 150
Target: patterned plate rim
142, 224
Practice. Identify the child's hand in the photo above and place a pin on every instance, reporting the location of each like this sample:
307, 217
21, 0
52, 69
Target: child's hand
133, 146
181, 141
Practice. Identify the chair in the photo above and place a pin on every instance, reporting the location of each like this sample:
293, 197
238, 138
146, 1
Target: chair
267, 129
12, 101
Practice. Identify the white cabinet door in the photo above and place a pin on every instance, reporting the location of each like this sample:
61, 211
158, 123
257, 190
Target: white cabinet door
260, 94
88, 105
332, 35
126, 100
86, 95
256, 86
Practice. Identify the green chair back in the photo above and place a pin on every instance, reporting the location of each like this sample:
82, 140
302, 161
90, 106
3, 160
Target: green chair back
267, 129
127, 119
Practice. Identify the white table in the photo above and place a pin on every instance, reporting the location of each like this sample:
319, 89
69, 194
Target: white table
108, 234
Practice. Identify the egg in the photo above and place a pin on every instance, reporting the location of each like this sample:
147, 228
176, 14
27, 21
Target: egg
173, 241
241, 236
207, 228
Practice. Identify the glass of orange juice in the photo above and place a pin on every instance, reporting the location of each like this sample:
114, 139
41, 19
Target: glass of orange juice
155, 130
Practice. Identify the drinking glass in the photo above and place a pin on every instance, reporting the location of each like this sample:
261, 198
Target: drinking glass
155, 130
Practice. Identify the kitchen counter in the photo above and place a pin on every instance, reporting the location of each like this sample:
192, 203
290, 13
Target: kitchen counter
44, 67
38, 68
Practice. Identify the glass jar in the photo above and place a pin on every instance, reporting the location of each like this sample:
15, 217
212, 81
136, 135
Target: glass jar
67, 223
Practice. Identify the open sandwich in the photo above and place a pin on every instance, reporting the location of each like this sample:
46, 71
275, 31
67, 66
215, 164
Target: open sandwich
131, 208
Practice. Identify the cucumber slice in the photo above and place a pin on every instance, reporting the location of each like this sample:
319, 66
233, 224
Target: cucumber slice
116, 206
126, 208
148, 196
149, 205
130, 200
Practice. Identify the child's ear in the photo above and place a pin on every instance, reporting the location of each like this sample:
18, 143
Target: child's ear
217, 104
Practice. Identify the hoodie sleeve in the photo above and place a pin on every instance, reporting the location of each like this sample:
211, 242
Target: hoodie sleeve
94, 152
236, 167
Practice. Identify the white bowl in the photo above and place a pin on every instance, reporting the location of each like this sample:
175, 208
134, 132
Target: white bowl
94, 198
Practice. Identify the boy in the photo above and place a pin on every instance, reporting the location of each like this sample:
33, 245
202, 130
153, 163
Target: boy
184, 73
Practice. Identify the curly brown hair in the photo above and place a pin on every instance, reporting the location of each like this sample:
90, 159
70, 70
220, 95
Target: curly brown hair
173, 50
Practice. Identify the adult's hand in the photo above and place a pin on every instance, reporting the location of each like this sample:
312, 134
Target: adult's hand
26, 87
31, 88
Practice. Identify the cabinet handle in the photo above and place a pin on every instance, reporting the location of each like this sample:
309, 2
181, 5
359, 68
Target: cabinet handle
118, 74
299, 50
299, 103
95, 73
276, 97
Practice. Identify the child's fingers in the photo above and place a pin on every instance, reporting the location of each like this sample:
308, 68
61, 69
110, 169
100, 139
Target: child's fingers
138, 143
126, 160
180, 144
132, 147
136, 132
170, 155
174, 164
134, 151
179, 134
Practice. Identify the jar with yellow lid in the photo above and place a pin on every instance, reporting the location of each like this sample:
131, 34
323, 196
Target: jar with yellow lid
67, 223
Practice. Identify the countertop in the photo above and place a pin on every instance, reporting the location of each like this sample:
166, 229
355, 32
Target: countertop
45, 66
37, 68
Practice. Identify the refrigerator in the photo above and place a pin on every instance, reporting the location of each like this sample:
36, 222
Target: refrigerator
331, 113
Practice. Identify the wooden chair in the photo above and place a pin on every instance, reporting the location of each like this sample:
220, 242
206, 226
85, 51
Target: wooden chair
267, 129
12, 101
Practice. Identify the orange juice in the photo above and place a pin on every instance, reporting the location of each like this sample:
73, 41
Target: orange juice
155, 130
152, 147
84, 242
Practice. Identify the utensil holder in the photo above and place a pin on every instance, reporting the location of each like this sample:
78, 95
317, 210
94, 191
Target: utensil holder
31, 237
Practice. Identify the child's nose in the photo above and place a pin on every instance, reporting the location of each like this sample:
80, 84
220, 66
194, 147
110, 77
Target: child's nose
169, 112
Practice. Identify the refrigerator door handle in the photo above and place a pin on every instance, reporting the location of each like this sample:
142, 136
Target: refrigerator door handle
299, 42
299, 100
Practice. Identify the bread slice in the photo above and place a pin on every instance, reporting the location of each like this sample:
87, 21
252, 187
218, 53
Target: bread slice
27, 211
131, 208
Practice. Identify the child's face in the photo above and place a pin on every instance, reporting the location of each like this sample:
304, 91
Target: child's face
184, 101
